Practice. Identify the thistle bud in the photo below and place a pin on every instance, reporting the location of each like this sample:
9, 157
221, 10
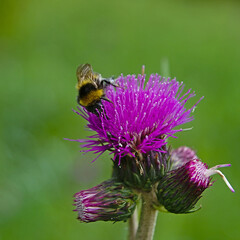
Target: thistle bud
181, 156
180, 189
108, 201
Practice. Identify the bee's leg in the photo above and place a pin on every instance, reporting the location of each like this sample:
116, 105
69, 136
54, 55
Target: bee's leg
110, 81
106, 99
96, 108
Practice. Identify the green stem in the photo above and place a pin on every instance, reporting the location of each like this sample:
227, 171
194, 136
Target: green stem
133, 225
148, 218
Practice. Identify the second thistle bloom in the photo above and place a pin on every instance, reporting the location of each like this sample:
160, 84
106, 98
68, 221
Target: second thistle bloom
181, 156
108, 201
180, 189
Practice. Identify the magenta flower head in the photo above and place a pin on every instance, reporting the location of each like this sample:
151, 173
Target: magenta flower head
108, 201
180, 189
136, 123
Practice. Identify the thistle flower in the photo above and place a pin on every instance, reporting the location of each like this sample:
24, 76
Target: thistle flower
138, 119
134, 124
108, 201
180, 189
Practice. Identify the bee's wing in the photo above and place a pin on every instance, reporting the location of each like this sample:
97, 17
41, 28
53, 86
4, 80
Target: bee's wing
84, 71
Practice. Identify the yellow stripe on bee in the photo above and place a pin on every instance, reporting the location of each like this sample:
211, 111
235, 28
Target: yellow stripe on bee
91, 97
82, 83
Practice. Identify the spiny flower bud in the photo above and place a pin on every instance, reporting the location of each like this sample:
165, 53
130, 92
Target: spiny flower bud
180, 189
181, 156
108, 201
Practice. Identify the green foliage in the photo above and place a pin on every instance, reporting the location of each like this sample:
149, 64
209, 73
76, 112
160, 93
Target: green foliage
43, 42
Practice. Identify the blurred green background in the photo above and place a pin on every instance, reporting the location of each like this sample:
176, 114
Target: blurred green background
41, 45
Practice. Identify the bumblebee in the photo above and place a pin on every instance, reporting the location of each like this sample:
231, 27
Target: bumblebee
91, 88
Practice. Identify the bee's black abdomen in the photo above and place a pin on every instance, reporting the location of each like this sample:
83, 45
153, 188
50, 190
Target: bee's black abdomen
97, 108
84, 90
